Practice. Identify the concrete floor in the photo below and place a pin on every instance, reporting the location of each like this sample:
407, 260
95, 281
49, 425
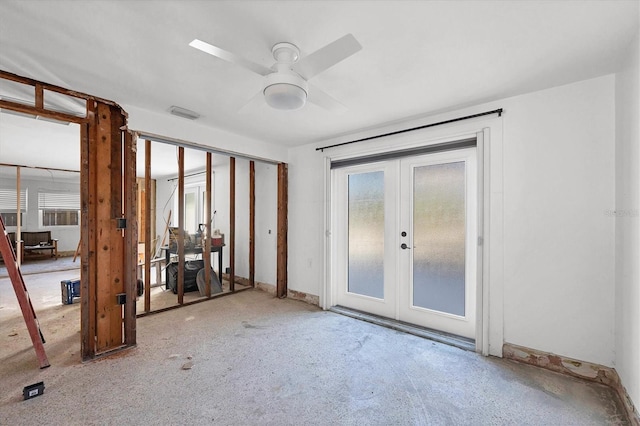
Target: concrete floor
260, 360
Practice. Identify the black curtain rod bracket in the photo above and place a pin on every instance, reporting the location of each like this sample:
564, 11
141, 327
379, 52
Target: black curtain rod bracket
453, 120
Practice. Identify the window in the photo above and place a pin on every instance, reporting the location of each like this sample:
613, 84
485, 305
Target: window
8, 204
59, 208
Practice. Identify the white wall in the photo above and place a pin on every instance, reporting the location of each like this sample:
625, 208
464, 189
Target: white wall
558, 240
68, 236
627, 301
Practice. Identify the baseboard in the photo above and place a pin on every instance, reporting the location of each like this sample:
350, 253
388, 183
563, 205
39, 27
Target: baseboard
291, 294
575, 368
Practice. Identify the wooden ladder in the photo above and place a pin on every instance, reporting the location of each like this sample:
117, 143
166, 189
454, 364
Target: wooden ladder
9, 256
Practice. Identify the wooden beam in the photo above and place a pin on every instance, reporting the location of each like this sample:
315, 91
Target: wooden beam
232, 223
281, 274
31, 110
180, 225
116, 203
103, 229
4, 75
252, 224
39, 96
19, 242
131, 238
147, 230
206, 254
87, 240
53, 169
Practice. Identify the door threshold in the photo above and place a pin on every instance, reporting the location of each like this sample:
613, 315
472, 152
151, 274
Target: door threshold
427, 333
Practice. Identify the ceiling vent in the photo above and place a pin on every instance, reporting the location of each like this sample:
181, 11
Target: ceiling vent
184, 113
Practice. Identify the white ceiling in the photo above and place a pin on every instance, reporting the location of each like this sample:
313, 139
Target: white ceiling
418, 57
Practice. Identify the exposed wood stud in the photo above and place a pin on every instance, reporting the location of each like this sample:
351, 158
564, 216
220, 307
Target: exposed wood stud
281, 274
103, 227
131, 238
232, 223
147, 230
39, 96
252, 224
87, 239
18, 220
180, 225
117, 252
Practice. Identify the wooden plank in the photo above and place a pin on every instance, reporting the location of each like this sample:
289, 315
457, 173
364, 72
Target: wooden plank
88, 255
39, 96
54, 169
232, 223
19, 243
131, 237
207, 231
28, 109
281, 274
252, 223
147, 228
180, 225
103, 229
4, 75
117, 246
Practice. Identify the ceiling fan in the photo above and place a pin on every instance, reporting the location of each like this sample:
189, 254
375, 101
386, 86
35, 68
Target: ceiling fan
286, 85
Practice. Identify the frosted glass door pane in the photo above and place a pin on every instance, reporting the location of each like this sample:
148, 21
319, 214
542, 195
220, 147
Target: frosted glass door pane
366, 234
439, 237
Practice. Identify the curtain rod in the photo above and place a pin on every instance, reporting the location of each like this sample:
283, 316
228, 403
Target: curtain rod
453, 120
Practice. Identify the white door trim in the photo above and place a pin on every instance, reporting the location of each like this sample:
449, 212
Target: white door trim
490, 333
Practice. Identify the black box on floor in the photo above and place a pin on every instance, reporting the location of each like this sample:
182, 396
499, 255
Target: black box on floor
33, 390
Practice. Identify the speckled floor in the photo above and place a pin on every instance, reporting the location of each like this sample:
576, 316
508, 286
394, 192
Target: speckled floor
263, 361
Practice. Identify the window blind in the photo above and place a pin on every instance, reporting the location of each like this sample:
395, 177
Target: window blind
8, 200
58, 201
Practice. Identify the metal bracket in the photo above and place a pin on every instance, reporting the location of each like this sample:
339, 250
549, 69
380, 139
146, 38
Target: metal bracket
121, 298
121, 223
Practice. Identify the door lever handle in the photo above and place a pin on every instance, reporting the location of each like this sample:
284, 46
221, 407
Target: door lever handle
404, 246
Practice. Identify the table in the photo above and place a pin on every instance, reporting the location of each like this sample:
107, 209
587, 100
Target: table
168, 251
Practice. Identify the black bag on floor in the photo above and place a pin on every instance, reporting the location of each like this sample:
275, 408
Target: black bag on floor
191, 268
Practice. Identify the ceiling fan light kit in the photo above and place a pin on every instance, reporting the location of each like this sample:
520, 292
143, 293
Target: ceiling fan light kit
285, 91
285, 83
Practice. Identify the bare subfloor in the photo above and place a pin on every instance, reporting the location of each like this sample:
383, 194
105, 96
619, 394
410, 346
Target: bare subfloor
260, 360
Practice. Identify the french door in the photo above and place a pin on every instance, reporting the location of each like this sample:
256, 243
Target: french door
405, 239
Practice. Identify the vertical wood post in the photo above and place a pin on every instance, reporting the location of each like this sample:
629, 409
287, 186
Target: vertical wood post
88, 259
180, 225
252, 224
281, 274
206, 247
18, 219
131, 238
232, 223
147, 230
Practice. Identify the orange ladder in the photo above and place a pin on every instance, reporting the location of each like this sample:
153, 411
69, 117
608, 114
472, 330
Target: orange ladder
10, 261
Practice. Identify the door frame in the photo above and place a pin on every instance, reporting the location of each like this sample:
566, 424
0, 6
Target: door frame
490, 269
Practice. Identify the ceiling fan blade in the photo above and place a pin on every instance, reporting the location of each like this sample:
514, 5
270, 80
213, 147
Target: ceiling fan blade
324, 100
256, 102
327, 56
230, 57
